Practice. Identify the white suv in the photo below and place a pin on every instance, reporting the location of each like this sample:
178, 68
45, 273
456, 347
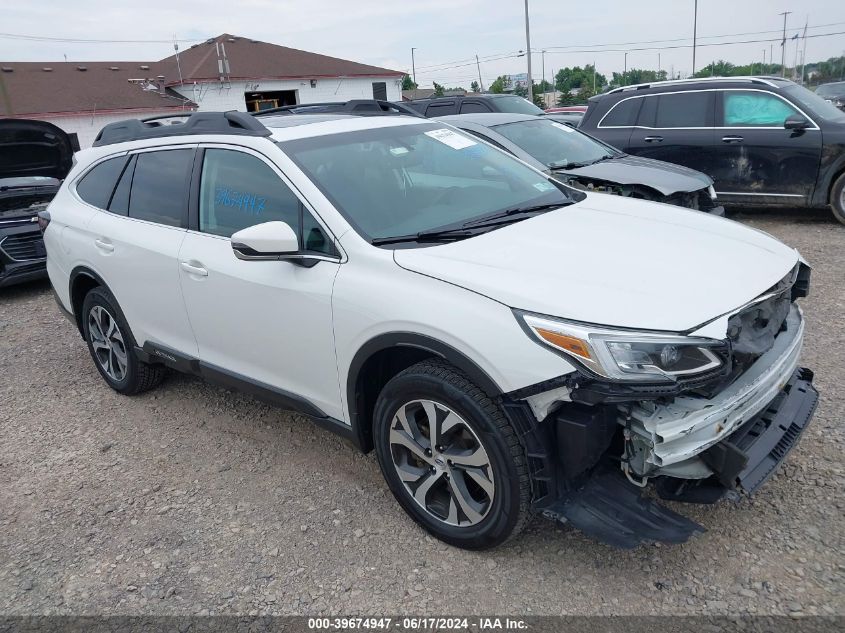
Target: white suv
508, 345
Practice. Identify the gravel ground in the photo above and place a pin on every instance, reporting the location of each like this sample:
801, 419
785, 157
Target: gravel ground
192, 500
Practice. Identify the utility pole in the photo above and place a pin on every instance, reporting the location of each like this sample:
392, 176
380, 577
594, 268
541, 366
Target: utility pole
771, 59
763, 66
528, 54
694, 34
480, 82
543, 81
804, 51
783, 45
625, 71
594, 76
658, 66
413, 68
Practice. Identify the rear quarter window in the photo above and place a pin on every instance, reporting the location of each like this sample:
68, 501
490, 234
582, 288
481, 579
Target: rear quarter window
97, 185
623, 114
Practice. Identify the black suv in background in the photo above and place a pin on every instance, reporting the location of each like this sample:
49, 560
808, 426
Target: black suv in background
763, 140
442, 106
34, 158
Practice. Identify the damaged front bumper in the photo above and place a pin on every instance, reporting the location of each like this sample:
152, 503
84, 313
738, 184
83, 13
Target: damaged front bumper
693, 448
667, 438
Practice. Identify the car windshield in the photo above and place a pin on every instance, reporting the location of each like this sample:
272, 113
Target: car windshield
816, 105
516, 105
406, 179
831, 90
554, 144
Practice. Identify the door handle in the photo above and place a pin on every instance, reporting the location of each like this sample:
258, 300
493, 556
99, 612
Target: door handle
653, 139
194, 270
104, 245
732, 139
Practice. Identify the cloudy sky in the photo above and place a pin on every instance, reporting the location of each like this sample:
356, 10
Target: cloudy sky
447, 33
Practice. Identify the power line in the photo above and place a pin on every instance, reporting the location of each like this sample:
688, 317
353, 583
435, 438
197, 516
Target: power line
70, 40
644, 48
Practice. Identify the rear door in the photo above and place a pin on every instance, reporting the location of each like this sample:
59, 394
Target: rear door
759, 161
677, 127
136, 242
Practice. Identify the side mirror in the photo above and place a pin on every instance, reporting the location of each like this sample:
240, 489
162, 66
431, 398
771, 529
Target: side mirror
796, 122
266, 241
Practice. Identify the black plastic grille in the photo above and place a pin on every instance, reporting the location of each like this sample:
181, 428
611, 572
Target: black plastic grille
24, 247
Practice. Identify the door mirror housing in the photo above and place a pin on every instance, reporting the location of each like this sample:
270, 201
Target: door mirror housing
267, 241
796, 122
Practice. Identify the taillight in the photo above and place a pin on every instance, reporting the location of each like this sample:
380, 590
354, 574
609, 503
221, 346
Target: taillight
43, 220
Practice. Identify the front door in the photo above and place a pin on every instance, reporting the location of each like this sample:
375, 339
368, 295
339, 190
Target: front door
269, 322
759, 160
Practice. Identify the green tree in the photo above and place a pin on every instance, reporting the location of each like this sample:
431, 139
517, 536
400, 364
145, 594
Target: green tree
475, 87
408, 83
501, 84
438, 89
568, 78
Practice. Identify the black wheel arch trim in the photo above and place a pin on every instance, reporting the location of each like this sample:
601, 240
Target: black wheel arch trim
76, 273
411, 340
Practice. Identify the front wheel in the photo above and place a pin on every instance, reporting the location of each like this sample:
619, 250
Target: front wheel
837, 198
450, 457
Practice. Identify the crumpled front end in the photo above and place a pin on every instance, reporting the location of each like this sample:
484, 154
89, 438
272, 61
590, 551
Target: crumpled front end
667, 438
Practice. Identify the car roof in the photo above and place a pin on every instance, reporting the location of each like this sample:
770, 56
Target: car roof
487, 119
295, 126
693, 83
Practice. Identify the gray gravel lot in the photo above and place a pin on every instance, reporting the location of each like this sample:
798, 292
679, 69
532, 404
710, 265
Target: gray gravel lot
190, 499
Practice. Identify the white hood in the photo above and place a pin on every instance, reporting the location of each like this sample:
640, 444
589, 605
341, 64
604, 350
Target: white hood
614, 261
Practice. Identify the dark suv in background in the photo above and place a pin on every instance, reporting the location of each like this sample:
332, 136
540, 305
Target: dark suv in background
34, 158
763, 140
443, 106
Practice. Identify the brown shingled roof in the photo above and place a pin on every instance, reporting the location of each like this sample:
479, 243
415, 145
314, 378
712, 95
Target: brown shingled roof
30, 89
251, 59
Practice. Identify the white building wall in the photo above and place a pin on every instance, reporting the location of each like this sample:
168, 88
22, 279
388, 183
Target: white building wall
87, 126
215, 97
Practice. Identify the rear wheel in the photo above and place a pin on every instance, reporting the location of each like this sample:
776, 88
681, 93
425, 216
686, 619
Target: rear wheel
450, 457
837, 198
111, 345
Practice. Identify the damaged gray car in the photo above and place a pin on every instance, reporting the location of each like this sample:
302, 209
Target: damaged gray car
583, 162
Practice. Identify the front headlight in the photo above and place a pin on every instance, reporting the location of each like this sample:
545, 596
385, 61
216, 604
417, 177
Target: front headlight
626, 355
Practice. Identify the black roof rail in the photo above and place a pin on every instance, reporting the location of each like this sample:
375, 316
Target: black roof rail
358, 107
232, 122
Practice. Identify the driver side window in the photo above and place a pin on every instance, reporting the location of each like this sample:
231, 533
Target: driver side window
751, 109
238, 191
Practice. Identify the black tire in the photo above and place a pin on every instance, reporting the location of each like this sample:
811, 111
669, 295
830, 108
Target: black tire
507, 513
837, 198
137, 376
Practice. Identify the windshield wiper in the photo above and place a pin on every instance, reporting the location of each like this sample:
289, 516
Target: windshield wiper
440, 235
508, 213
555, 167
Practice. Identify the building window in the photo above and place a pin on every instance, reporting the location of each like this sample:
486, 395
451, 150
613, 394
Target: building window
380, 90
258, 101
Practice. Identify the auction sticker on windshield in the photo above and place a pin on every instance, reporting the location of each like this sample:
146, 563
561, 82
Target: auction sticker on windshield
448, 137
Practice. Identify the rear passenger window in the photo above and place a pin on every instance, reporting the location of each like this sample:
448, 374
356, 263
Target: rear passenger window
120, 198
160, 186
441, 109
684, 109
623, 114
97, 185
473, 106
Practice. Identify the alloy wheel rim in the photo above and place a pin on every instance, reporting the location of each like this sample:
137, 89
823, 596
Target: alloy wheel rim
442, 463
107, 341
